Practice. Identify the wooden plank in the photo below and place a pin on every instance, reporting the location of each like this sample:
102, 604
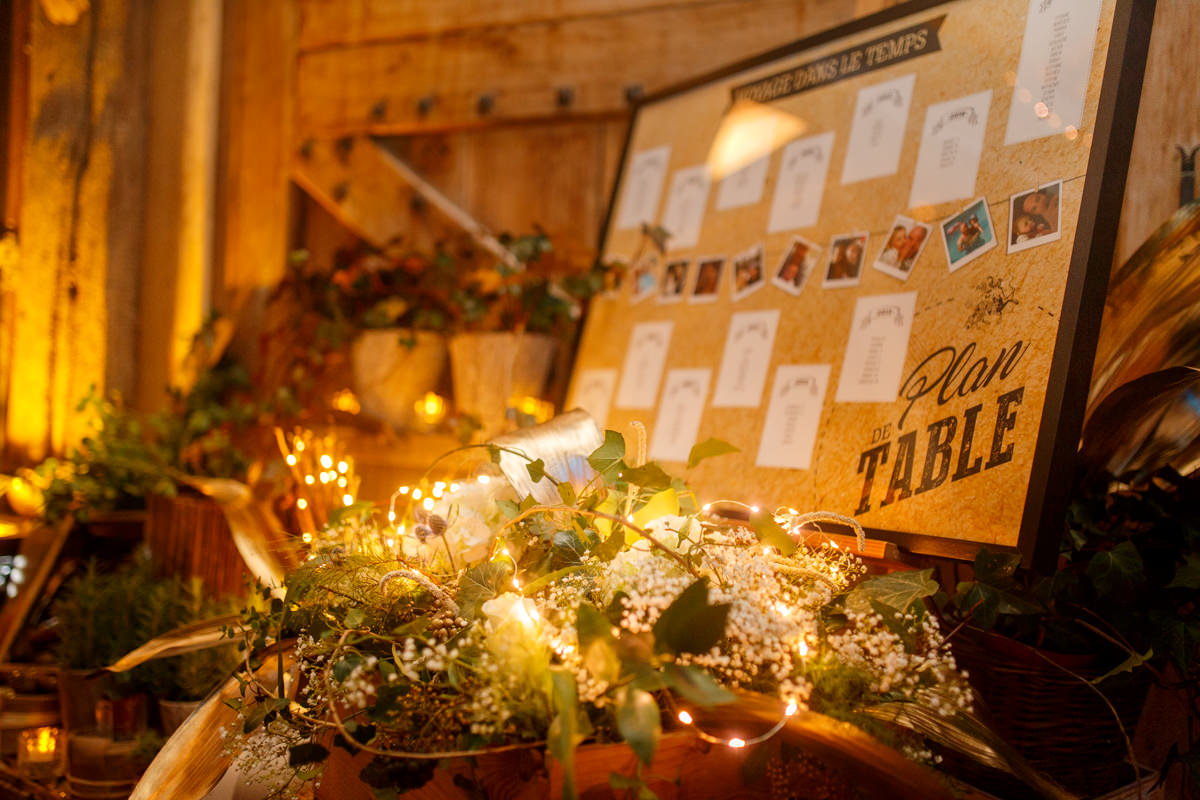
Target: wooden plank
252, 227
181, 163
377, 87
1167, 117
14, 99
78, 171
326, 23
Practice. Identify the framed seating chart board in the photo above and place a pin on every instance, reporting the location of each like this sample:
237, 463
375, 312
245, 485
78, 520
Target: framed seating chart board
888, 248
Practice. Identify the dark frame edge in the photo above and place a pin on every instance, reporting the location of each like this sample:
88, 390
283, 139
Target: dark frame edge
1052, 475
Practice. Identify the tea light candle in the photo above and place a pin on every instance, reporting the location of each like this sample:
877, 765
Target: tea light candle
431, 409
38, 753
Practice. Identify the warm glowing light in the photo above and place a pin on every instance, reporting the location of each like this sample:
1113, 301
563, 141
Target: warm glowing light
504, 552
782, 608
540, 410
342, 482
306, 537
1071, 132
403, 490
310, 480
343, 466
391, 516
348, 499
291, 460
484, 479
38, 753
301, 504
416, 494
802, 647
753, 509
748, 132
326, 461
299, 445
431, 408
438, 491
346, 400
791, 709
685, 718
454, 487
1041, 110
705, 508
427, 504
736, 742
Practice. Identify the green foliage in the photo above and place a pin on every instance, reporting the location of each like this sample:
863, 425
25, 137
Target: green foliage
707, 449
690, 624
1124, 587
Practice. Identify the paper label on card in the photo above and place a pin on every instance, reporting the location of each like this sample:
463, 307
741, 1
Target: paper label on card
1056, 63
793, 416
747, 356
643, 186
644, 362
951, 146
878, 345
593, 393
800, 186
679, 413
685, 206
877, 134
744, 186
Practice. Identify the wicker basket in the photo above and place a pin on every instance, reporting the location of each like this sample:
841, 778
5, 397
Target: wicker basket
1058, 722
189, 537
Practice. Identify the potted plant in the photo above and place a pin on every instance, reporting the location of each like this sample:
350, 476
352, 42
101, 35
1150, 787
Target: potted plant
1060, 658
181, 682
484, 642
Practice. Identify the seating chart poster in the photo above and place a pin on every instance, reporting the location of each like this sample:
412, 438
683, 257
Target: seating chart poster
884, 252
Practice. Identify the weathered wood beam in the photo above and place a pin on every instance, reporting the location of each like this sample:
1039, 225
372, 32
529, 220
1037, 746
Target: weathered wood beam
254, 211
482, 76
78, 222
330, 23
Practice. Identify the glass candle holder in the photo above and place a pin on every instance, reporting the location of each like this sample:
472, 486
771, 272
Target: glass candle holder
39, 753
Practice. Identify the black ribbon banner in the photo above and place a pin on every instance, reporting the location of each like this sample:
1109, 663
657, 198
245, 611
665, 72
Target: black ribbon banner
883, 52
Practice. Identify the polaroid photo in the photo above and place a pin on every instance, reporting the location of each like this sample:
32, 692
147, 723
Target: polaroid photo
615, 268
968, 234
846, 256
902, 247
749, 272
645, 278
1034, 217
674, 281
707, 286
798, 263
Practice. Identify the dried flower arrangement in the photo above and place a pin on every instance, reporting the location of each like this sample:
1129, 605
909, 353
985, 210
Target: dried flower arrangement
481, 621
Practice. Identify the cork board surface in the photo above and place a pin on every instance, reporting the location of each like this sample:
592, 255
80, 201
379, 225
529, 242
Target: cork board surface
950, 454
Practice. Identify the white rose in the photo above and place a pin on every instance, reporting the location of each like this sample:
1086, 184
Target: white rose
470, 537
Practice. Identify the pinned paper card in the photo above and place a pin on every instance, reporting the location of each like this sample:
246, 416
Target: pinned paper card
801, 183
951, 146
679, 413
593, 393
644, 362
747, 356
877, 134
643, 186
876, 349
793, 416
743, 186
1055, 66
685, 206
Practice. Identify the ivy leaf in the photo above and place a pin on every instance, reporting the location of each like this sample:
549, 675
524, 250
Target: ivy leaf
608, 455
607, 550
1187, 576
690, 624
996, 568
354, 618
663, 504
639, 722
481, 583
536, 469
494, 454
898, 590
708, 448
508, 508
591, 624
1128, 665
306, 753
566, 493
769, 532
566, 730
696, 686
1116, 572
650, 476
